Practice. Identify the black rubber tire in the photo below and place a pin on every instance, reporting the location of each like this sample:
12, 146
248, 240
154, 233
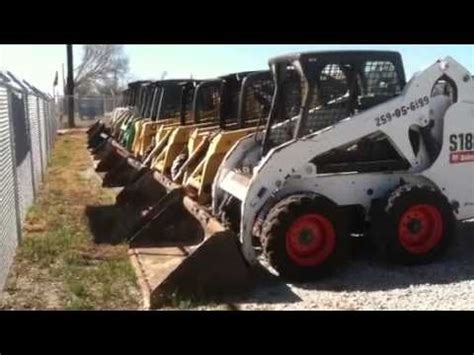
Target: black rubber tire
385, 215
280, 218
177, 164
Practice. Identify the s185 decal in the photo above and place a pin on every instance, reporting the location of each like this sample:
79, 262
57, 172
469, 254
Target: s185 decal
461, 147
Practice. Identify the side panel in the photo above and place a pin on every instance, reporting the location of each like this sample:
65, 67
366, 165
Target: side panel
43, 128
23, 154
47, 110
8, 218
35, 140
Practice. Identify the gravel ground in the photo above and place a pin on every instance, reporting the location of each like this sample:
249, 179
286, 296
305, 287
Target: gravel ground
368, 284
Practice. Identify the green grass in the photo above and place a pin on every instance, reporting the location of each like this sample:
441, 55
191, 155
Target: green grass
57, 264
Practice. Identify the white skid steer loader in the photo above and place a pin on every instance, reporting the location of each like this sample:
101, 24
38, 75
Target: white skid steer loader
397, 164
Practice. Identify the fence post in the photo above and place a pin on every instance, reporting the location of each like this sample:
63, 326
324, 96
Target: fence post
70, 86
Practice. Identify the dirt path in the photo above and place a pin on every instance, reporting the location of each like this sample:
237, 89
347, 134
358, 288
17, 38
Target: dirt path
58, 265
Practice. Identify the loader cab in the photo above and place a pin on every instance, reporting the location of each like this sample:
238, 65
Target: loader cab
256, 96
128, 97
125, 98
148, 93
168, 98
234, 99
143, 92
245, 98
230, 92
131, 93
206, 99
136, 94
188, 102
155, 97
316, 90
149, 89
219, 99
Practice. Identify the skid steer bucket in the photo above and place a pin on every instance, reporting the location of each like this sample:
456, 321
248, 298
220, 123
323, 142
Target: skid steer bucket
128, 170
97, 137
123, 173
135, 204
94, 130
122, 167
102, 129
102, 132
107, 152
109, 155
182, 252
149, 188
104, 144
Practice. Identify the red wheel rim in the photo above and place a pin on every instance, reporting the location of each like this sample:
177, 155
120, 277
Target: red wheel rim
310, 240
420, 229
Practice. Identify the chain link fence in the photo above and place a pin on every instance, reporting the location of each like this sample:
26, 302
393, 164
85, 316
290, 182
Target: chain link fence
87, 109
28, 127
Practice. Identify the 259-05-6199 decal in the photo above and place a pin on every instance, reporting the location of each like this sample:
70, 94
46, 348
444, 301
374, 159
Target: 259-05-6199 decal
402, 111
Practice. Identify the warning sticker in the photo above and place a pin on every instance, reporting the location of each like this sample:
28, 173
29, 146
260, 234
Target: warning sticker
461, 157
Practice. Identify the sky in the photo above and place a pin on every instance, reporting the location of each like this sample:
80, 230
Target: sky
39, 63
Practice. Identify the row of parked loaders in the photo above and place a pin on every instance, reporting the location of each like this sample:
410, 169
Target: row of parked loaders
287, 165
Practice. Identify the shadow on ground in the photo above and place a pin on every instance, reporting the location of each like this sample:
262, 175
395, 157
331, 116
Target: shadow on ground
366, 273
102, 221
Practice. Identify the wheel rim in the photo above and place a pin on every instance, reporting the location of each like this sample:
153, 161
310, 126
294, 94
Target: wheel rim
310, 240
420, 229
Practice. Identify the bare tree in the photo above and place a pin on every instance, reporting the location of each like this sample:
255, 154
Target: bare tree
102, 70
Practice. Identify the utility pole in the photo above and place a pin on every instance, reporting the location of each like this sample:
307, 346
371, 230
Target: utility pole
70, 86
63, 104
64, 82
